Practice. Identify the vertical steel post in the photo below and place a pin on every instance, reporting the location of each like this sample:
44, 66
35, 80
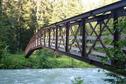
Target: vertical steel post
40, 38
116, 35
67, 36
44, 37
49, 38
116, 30
36, 39
56, 41
83, 32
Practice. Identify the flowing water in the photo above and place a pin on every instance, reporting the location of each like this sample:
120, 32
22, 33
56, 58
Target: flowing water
54, 76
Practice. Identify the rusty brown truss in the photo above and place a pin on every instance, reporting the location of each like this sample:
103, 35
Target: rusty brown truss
85, 37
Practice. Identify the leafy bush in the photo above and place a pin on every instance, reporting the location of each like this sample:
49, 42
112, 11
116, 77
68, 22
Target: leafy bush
117, 55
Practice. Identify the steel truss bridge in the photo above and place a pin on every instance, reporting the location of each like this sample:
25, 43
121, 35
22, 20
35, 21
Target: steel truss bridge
87, 37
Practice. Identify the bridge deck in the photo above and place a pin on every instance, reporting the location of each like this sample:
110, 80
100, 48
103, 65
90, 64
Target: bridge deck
87, 37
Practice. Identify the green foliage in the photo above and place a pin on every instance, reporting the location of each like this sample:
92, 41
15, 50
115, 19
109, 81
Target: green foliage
44, 58
41, 59
78, 80
2, 46
116, 54
14, 23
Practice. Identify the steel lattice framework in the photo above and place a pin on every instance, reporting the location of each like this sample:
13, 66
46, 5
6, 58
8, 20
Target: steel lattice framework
85, 37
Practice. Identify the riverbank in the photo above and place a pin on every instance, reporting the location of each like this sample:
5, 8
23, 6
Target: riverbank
40, 59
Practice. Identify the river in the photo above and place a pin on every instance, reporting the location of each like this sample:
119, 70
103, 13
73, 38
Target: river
55, 76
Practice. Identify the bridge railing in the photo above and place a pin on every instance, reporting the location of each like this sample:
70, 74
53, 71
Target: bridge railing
86, 36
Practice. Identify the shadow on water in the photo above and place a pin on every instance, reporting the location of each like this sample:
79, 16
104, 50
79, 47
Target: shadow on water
114, 78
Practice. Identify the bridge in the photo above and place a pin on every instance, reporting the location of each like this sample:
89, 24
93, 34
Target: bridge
87, 37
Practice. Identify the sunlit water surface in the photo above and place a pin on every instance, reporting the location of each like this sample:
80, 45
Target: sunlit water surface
53, 76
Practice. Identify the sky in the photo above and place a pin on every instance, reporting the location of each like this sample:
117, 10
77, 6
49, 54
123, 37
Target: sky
88, 4
93, 4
